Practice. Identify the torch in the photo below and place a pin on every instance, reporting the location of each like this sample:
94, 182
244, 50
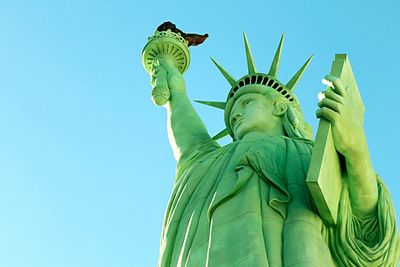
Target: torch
169, 43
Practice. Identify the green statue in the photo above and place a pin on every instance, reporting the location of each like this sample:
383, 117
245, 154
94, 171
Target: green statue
247, 203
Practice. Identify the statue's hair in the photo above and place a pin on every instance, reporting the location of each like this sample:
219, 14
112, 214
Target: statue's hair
295, 125
293, 120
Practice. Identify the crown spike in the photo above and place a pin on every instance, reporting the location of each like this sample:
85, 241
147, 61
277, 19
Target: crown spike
220, 105
273, 71
221, 134
231, 80
292, 83
250, 62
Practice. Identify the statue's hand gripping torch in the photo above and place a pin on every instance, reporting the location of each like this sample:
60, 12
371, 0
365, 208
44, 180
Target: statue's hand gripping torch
159, 81
170, 46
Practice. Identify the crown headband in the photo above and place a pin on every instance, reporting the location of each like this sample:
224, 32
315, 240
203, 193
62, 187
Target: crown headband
253, 77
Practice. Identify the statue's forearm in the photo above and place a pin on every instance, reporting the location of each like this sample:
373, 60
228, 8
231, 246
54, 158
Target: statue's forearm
362, 180
184, 125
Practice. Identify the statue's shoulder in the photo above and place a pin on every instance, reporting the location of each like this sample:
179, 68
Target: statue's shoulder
202, 147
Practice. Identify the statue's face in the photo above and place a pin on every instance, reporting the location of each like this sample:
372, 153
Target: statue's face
253, 112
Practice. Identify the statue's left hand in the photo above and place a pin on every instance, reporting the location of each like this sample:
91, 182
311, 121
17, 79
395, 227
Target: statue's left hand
339, 106
344, 110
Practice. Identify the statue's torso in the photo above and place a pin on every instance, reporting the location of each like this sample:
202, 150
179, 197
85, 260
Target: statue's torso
246, 204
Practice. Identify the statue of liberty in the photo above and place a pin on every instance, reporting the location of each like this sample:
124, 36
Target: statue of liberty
247, 203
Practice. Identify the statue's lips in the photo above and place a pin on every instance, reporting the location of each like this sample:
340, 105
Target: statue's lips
238, 122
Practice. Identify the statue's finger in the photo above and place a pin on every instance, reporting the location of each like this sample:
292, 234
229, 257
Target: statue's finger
339, 87
328, 81
156, 63
335, 84
333, 105
154, 70
334, 96
327, 113
153, 80
164, 62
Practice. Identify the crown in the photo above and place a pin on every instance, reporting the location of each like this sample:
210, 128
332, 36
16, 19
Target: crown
269, 80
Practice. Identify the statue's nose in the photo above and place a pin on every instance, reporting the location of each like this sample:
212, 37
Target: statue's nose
236, 116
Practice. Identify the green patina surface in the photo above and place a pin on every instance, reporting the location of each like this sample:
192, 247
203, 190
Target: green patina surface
247, 203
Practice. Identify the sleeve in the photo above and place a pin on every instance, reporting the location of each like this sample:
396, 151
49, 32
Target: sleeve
197, 150
372, 241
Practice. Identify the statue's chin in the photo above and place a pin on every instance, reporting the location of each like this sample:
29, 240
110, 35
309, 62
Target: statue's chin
242, 132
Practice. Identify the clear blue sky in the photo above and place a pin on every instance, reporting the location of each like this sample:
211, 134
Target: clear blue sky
85, 165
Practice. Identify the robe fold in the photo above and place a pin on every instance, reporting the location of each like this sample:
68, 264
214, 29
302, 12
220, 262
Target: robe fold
247, 204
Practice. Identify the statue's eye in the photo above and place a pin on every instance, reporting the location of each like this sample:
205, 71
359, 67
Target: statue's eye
247, 101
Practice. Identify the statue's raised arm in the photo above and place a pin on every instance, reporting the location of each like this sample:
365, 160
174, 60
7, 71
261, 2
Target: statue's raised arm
184, 124
166, 57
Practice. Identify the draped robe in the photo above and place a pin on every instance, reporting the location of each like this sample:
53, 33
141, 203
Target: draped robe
247, 204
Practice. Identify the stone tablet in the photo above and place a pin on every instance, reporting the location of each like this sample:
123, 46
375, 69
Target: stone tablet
327, 170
